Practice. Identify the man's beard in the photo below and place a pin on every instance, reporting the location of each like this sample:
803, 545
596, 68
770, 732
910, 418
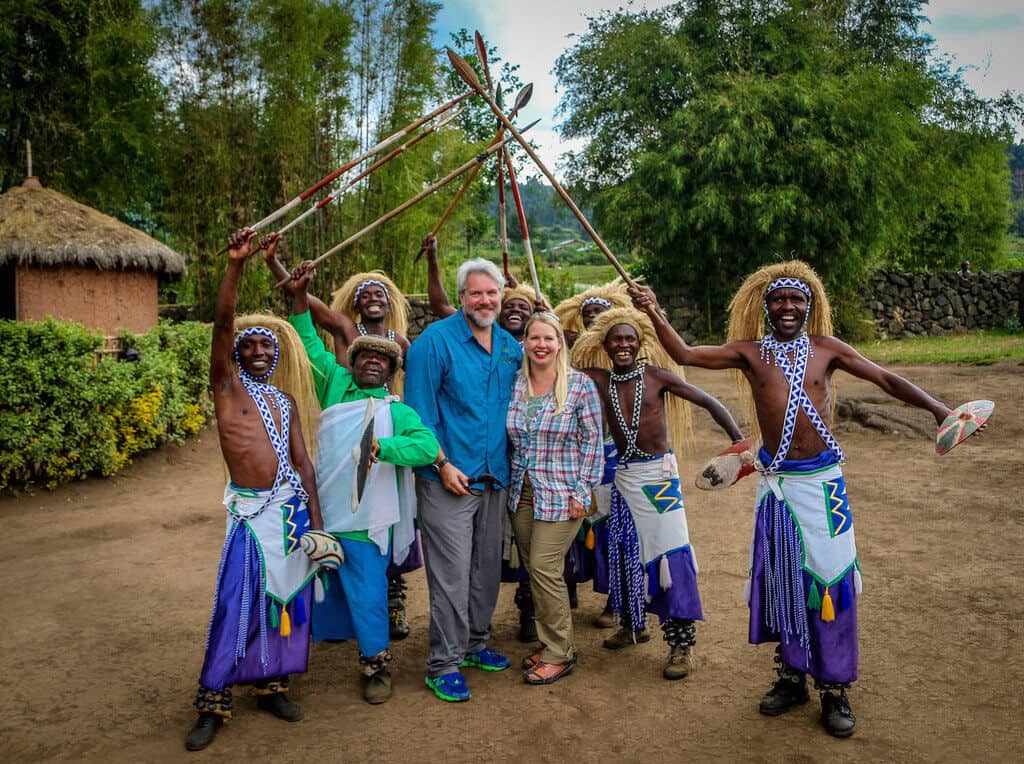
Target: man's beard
478, 321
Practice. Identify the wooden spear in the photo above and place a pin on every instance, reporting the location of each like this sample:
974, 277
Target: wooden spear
465, 71
477, 160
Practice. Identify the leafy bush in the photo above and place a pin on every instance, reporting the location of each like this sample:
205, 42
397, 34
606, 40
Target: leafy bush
66, 412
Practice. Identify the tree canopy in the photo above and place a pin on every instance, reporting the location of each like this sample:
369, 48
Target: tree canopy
723, 135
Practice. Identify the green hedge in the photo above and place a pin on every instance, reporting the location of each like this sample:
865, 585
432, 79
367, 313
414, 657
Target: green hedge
66, 412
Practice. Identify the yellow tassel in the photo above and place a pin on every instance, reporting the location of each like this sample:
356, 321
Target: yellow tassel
828, 612
589, 541
286, 623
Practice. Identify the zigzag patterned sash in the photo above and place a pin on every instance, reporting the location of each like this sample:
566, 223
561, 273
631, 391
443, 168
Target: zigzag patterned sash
798, 399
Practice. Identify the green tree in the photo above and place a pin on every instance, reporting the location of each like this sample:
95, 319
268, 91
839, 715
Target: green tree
727, 134
75, 81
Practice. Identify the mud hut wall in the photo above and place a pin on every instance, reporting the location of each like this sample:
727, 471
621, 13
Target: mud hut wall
104, 300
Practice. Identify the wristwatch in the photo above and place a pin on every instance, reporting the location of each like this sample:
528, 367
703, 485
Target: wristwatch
439, 465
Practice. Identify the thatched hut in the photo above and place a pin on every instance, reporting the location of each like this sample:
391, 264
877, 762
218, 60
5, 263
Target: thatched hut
62, 259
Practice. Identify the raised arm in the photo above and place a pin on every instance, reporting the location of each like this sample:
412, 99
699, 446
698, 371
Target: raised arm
674, 384
435, 290
852, 362
338, 324
704, 356
222, 345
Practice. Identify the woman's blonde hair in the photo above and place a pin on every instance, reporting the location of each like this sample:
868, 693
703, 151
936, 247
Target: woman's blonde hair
561, 388
293, 374
747, 320
589, 352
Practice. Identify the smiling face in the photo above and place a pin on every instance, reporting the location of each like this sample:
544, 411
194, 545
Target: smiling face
590, 312
372, 303
787, 309
256, 354
541, 344
622, 344
481, 299
513, 316
371, 368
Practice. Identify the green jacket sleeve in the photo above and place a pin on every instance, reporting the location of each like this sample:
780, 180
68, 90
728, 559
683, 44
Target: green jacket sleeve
323, 361
413, 445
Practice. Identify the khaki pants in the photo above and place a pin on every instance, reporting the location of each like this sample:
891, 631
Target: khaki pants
543, 545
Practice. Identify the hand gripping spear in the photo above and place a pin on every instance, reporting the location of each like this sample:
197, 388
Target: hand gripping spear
334, 174
506, 158
465, 71
474, 162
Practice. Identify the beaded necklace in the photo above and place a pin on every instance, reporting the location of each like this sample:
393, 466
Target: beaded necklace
631, 430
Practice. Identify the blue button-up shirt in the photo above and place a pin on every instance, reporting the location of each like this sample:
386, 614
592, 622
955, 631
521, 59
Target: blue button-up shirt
461, 392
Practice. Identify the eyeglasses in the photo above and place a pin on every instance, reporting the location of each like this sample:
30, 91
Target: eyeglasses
485, 478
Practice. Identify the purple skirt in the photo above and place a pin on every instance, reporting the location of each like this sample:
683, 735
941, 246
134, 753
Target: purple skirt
235, 630
414, 560
599, 556
681, 599
831, 655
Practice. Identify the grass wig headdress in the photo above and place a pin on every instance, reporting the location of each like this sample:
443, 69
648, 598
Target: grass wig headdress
568, 311
343, 300
588, 352
293, 374
747, 319
520, 292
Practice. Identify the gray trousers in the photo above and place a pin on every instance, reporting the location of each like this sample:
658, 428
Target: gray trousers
461, 538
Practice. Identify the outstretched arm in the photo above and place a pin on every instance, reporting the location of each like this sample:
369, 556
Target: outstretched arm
435, 290
222, 345
674, 384
852, 362
704, 356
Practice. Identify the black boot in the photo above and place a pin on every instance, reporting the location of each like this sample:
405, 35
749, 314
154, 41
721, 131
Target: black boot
399, 623
272, 696
204, 731
836, 715
524, 601
789, 691
574, 601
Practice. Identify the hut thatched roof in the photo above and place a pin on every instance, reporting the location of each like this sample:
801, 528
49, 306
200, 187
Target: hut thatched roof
39, 226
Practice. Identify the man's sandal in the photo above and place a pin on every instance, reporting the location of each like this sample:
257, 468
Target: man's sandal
546, 673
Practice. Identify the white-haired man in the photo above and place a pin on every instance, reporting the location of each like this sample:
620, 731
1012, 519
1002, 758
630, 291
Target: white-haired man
460, 374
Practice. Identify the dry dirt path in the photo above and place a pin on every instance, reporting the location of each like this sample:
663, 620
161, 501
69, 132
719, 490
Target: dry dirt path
107, 587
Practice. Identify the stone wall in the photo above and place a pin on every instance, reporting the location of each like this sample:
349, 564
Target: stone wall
908, 304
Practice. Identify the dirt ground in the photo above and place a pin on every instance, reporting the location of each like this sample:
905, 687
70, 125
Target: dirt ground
108, 583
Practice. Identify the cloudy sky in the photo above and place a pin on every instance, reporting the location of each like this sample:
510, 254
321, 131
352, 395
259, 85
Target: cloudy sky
983, 35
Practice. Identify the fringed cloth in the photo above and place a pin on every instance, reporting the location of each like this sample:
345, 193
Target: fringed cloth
648, 536
804, 573
259, 627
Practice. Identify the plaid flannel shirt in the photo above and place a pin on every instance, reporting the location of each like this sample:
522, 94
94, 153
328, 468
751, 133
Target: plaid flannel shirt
562, 451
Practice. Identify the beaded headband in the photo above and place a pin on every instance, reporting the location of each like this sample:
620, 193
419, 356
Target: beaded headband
371, 282
788, 282
261, 331
595, 301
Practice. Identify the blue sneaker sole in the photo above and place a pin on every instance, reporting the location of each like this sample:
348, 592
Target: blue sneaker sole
467, 663
443, 696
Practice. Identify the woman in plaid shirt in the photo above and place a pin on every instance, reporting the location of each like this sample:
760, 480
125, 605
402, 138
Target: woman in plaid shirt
554, 426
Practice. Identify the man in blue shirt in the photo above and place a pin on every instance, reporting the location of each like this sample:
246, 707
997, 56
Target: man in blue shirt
459, 379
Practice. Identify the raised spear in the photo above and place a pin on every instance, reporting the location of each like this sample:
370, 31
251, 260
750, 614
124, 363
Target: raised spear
481, 52
475, 161
465, 71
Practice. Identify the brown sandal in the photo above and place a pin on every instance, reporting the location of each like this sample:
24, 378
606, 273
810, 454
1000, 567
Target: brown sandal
546, 673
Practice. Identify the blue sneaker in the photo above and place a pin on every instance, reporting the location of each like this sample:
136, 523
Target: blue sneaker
486, 659
451, 687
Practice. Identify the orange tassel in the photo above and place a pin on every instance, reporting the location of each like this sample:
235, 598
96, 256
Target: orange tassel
286, 623
589, 541
828, 612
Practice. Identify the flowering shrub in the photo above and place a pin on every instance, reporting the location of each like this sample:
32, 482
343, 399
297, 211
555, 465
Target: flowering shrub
67, 412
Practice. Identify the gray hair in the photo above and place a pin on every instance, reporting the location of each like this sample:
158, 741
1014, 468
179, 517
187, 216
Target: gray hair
478, 265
